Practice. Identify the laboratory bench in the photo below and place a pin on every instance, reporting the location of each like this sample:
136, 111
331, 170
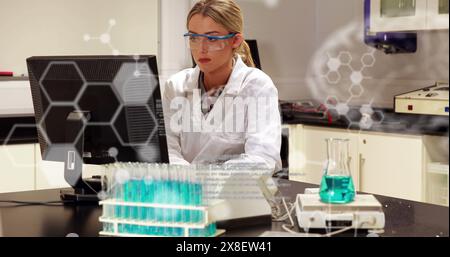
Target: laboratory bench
384, 120
387, 122
17, 78
403, 218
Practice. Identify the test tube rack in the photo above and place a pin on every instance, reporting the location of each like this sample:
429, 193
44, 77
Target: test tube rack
186, 228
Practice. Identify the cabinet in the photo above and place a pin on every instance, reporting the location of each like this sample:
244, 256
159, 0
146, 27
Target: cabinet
391, 164
408, 15
381, 163
22, 169
437, 13
398, 15
17, 170
437, 170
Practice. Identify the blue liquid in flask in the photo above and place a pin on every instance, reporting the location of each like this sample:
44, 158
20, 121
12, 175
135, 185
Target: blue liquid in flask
337, 189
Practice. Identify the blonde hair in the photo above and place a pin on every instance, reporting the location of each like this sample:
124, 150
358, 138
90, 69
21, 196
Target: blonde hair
228, 14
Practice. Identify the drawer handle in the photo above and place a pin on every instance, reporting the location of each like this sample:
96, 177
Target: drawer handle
361, 169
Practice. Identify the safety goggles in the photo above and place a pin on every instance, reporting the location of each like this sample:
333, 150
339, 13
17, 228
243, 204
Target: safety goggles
207, 42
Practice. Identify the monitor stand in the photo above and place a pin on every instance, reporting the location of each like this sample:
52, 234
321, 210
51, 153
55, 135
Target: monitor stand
84, 190
84, 195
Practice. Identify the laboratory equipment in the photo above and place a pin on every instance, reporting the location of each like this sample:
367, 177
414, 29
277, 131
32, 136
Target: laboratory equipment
388, 42
155, 200
429, 101
97, 110
365, 212
337, 183
167, 200
310, 111
286, 234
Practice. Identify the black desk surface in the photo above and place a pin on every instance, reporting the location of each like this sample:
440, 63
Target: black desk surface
403, 218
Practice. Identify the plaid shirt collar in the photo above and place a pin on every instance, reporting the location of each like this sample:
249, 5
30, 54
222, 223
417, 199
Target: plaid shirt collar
208, 98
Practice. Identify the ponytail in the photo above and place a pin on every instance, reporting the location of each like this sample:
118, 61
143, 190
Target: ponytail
244, 51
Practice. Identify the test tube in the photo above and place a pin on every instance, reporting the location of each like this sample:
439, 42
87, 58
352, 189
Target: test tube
122, 183
197, 195
180, 199
148, 197
108, 211
191, 178
138, 195
135, 190
170, 199
178, 193
117, 190
178, 196
167, 199
118, 193
129, 195
184, 192
199, 188
158, 198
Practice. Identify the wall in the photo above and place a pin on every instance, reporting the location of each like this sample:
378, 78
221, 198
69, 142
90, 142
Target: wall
297, 39
58, 27
285, 31
175, 56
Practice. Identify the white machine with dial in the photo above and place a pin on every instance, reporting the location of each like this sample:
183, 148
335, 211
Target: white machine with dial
365, 212
430, 101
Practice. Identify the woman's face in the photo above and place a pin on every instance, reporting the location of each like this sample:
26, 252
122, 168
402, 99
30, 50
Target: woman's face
210, 61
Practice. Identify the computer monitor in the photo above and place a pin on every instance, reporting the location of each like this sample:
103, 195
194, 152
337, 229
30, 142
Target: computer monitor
97, 110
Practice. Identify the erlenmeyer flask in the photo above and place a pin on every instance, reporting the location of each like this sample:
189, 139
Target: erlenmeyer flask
337, 183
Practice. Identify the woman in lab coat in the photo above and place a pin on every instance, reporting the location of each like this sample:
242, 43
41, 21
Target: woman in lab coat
224, 110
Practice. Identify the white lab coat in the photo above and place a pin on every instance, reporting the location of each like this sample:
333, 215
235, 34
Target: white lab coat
260, 145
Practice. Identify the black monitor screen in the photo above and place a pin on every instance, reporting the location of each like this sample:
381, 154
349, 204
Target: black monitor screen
121, 97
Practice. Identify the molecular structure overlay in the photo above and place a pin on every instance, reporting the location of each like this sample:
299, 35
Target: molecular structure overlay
104, 38
333, 76
337, 78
